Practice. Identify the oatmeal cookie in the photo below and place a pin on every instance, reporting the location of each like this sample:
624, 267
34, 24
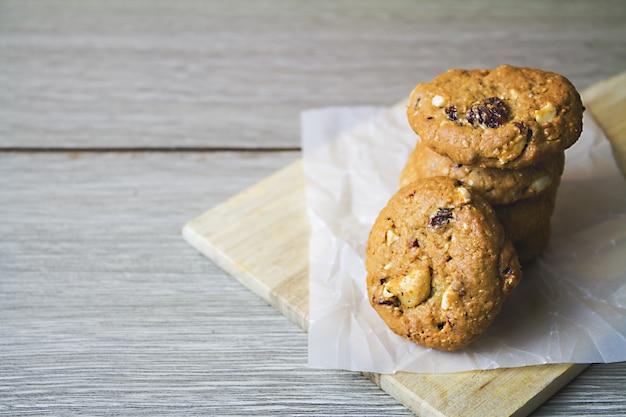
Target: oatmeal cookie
533, 245
507, 117
523, 217
439, 265
498, 186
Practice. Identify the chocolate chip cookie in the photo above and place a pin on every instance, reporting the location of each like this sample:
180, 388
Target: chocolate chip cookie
507, 117
439, 264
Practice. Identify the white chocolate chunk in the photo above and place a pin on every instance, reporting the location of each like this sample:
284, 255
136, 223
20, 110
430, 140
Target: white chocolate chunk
464, 195
545, 114
391, 237
448, 298
438, 101
541, 184
412, 289
387, 293
513, 150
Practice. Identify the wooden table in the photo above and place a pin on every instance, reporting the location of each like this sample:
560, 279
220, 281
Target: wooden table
122, 120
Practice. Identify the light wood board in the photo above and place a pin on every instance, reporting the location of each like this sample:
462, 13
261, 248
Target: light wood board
260, 237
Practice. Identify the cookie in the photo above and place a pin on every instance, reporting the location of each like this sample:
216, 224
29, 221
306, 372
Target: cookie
533, 245
523, 217
498, 186
438, 264
507, 117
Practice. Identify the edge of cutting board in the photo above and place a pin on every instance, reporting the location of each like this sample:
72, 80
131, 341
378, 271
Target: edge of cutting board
260, 237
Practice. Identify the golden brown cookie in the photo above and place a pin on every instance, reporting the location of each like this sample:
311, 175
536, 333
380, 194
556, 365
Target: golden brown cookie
523, 217
439, 265
498, 186
532, 246
508, 117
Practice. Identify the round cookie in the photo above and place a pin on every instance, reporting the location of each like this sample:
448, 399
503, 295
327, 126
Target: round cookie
532, 246
439, 265
498, 186
508, 117
523, 217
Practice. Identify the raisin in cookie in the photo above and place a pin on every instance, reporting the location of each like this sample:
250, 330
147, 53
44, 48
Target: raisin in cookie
439, 265
508, 117
498, 186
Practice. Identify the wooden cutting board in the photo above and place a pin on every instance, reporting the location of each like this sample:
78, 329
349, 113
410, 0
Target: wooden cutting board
260, 237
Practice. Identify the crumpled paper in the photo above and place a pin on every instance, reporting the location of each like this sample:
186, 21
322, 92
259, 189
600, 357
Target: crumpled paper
570, 306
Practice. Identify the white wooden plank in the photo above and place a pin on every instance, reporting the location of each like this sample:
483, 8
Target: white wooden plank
106, 310
202, 74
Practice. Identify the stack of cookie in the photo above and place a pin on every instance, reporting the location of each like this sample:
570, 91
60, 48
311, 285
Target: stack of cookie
476, 199
503, 132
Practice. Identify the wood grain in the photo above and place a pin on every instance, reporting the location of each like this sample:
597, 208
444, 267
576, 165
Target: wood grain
104, 309
276, 205
271, 247
609, 110
158, 73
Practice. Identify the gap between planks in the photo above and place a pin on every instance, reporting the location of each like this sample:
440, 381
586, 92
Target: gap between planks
157, 149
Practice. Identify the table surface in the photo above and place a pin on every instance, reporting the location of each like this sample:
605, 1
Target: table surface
122, 120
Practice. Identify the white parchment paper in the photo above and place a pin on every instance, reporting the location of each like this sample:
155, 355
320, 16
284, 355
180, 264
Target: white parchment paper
569, 307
